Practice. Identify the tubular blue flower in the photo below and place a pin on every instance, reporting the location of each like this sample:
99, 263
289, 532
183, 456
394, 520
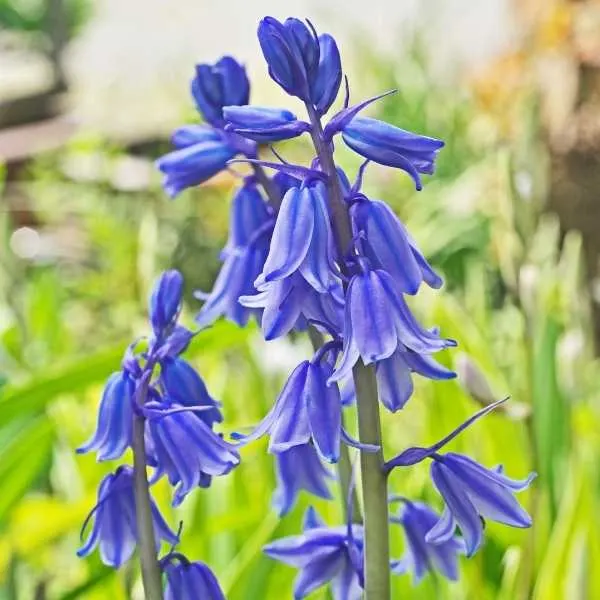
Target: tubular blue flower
222, 84
388, 245
394, 375
115, 528
324, 555
186, 448
302, 240
470, 492
389, 145
420, 556
185, 387
299, 468
377, 322
264, 125
165, 302
187, 579
292, 52
326, 85
115, 419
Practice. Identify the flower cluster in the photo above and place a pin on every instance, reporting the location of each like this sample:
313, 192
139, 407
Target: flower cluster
308, 248
160, 398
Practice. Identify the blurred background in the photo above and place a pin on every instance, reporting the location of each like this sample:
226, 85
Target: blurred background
89, 91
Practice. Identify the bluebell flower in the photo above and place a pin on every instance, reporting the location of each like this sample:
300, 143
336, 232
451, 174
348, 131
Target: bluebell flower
115, 528
420, 555
324, 89
165, 302
186, 448
185, 387
388, 245
302, 240
292, 53
299, 468
389, 145
200, 153
222, 84
244, 256
263, 124
324, 555
378, 322
394, 375
115, 419
187, 579
470, 492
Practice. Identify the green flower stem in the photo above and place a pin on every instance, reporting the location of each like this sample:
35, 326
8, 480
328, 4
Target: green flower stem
151, 574
373, 478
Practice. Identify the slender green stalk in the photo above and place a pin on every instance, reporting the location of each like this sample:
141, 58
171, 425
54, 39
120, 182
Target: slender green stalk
373, 478
344, 466
151, 575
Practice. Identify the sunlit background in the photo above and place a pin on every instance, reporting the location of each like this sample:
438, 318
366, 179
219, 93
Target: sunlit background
89, 91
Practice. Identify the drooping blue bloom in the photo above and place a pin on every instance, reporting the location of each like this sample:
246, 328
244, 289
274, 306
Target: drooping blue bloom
186, 448
216, 86
324, 555
244, 256
394, 375
378, 321
470, 491
115, 528
420, 556
188, 580
263, 124
326, 85
388, 245
185, 387
165, 302
389, 145
292, 53
299, 468
302, 240
115, 419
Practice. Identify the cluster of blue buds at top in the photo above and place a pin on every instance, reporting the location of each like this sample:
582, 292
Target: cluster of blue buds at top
161, 390
309, 249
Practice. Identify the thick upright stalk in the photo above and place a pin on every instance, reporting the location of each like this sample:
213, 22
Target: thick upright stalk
374, 480
151, 575
344, 466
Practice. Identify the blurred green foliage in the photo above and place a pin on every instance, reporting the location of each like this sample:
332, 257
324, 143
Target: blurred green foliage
514, 301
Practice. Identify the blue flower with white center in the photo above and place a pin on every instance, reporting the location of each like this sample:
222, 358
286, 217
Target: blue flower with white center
394, 375
186, 448
377, 322
216, 86
263, 124
324, 555
115, 418
389, 145
250, 228
420, 555
470, 492
388, 245
165, 302
185, 387
115, 527
187, 579
299, 468
302, 240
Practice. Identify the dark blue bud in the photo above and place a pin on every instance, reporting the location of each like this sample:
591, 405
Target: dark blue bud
219, 85
115, 528
115, 419
329, 75
190, 580
388, 145
165, 301
264, 124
